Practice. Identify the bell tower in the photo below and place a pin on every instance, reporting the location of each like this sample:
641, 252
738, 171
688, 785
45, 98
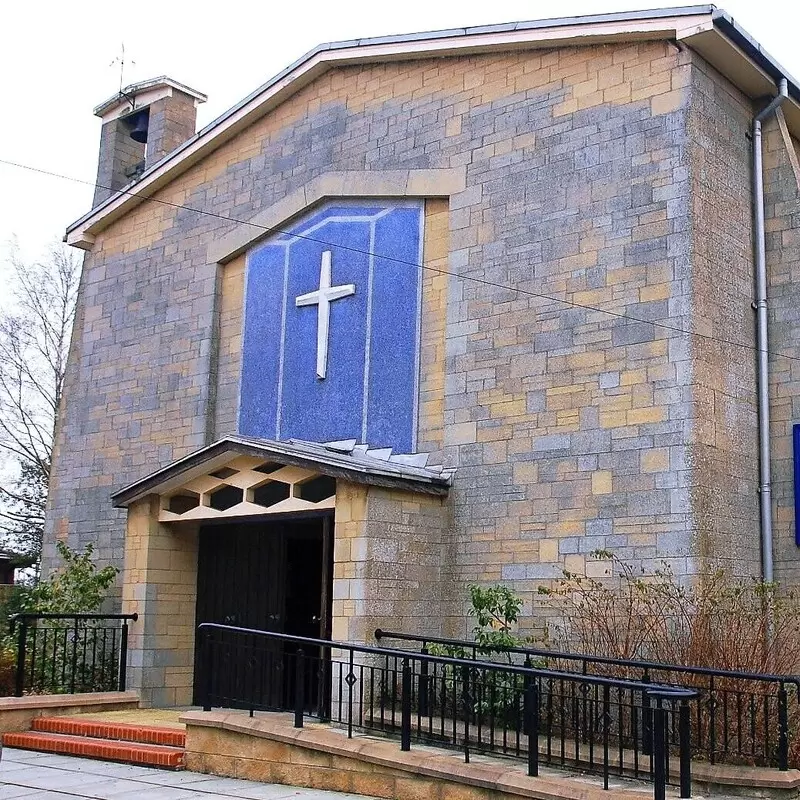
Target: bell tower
141, 124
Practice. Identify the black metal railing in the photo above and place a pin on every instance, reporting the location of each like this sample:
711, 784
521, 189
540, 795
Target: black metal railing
594, 722
742, 717
70, 653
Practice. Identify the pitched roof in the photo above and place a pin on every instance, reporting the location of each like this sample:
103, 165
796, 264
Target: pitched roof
345, 459
706, 29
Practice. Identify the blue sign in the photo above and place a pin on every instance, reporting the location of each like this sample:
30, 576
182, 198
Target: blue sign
331, 333
796, 443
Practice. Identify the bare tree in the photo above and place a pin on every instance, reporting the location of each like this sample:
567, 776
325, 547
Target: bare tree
35, 329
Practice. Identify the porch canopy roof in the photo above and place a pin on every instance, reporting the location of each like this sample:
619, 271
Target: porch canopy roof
346, 459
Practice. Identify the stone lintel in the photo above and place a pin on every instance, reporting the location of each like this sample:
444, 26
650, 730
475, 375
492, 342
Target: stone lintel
425, 183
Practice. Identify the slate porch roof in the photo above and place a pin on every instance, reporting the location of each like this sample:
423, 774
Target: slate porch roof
345, 459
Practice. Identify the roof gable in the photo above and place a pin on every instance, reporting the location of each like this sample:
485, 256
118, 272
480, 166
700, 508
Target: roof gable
711, 32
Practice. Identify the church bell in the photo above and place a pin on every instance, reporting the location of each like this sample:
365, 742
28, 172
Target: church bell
139, 130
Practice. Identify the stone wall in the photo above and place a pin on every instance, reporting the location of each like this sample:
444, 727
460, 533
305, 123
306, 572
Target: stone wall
574, 422
389, 551
161, 587
716, 366
782, 204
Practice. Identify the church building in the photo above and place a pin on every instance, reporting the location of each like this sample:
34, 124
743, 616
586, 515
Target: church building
431, 310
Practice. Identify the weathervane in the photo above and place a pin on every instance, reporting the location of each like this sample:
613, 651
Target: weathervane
120, 59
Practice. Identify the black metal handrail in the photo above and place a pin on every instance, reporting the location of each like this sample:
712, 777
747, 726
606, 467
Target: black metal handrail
604, 724
720, 731
86, 654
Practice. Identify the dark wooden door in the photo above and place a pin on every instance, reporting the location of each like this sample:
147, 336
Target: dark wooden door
240, 581
268, 576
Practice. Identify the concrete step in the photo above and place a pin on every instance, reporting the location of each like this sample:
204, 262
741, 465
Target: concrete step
152, 755
124, 731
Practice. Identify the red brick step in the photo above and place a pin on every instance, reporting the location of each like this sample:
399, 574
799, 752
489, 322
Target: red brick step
152, 755
124, 731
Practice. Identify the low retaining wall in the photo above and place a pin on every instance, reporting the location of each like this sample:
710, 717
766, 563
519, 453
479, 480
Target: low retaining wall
17, 713
267, 748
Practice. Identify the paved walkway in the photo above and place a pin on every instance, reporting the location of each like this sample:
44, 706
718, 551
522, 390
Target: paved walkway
42, 776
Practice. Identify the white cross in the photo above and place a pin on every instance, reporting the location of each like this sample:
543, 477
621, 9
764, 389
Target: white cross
322, 298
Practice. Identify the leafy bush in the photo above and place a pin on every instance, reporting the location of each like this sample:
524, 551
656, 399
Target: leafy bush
78, 587
64, 655
496, 610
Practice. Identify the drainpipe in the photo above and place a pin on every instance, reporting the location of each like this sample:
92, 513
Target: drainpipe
762, 342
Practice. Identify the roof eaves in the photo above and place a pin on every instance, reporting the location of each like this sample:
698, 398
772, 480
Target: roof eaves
730, 28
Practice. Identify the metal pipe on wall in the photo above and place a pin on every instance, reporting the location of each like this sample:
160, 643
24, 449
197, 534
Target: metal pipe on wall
762, 337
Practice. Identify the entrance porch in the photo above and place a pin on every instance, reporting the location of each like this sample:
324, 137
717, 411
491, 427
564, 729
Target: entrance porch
322, 540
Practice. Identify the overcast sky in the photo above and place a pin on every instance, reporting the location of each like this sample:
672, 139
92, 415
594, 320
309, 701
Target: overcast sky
55, 67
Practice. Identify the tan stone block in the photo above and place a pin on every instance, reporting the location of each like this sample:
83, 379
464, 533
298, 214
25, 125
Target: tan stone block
601, 482
525, 472
373, 784
458, 791
548, 550
332, 780
640, 416
667, 102
453, 126
656, 460
567, 527
619, 94
293, 774
461, 433
599, 568
253, 769
575, 563
661, 291
417, 789
218, 765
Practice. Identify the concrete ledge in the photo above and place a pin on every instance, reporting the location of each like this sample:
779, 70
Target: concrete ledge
747, 781
268, 748
422, 183
17, 713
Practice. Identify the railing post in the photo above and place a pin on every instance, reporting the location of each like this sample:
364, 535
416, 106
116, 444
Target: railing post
405, 708
647, 720
123, 657
465, 695
423, 685
205, 645
299, 687
531, 712
685, 744
74, 660
712, 730
661, 745
659, 719
19, 684
606, 730
783, 728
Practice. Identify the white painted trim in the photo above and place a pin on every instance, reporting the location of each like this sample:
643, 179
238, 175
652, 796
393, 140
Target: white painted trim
247, 479
140, 101
136, 90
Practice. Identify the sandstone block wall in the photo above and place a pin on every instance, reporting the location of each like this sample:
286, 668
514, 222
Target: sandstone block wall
606, 189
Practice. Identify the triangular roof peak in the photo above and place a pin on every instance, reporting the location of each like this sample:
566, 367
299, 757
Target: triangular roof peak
704, 28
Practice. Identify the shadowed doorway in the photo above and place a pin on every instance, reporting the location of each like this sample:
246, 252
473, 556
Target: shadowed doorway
273, 575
